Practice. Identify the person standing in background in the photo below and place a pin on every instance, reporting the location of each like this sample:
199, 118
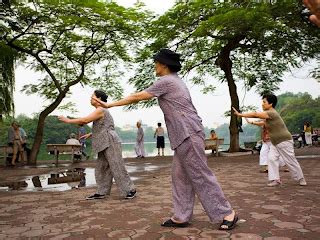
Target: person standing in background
23, 136
159, 133
139, 147
15, 140
307, 128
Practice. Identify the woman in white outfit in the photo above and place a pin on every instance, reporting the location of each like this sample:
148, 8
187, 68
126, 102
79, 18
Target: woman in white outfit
139, 147
308, 133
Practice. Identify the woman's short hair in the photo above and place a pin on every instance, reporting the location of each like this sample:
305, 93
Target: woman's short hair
271, 98
101, 94
174, 69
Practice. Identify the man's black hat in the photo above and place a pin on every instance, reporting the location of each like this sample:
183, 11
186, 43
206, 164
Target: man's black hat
168, 57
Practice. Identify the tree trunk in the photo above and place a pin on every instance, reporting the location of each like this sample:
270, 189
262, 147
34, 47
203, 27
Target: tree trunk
233, 127
37, 139
225, 63
40, 127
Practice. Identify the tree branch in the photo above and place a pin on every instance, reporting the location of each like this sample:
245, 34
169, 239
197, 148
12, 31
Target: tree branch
20, 49
25, 31
198, 64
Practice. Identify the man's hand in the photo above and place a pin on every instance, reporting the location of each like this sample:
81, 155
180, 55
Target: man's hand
63, 119
85, 136
236, 112
314, 7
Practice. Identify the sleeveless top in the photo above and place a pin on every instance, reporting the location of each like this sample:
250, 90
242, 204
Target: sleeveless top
308, 129
278, 131
103, 133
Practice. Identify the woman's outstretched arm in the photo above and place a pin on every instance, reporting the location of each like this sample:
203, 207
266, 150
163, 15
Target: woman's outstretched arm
97, 114
262, 115
133, 98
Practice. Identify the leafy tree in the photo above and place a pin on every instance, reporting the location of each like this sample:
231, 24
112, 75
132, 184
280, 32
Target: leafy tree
7, 81
316, 72
7, 77
296, 109
249, 41
71, 42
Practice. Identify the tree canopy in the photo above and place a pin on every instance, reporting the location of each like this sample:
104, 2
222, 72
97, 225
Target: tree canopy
296, 109
7, 80
71, 42
231, 41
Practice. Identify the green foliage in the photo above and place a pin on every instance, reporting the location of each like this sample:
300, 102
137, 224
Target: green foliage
54, 130
265, 38
296, 109
71, 107
7, 80
316, 72
70, 40
249, 41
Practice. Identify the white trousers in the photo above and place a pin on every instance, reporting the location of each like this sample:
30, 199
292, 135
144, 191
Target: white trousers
263, 159
286, 152
139, 148
308, 137
264, 154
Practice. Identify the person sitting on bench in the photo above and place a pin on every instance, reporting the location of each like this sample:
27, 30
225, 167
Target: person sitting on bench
73, 141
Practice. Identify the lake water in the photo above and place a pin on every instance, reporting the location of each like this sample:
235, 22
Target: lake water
127, 151
151, 149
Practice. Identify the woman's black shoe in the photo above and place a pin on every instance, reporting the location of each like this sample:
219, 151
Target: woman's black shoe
170, 223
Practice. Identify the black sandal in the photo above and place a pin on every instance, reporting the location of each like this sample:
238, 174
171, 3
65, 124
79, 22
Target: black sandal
170, 223
230, 224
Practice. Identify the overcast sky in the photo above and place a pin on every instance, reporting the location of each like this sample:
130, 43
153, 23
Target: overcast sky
210, 107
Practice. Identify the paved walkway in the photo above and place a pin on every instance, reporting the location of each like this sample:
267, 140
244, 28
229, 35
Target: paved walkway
286, 212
